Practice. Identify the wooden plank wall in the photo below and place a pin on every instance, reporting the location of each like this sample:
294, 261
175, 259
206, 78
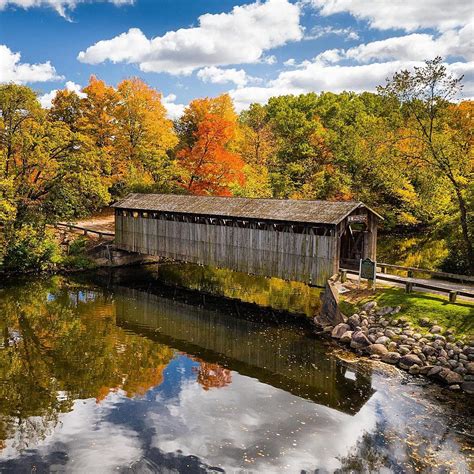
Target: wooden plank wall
291, 256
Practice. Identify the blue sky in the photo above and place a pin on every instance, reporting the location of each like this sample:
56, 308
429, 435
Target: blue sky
253, 49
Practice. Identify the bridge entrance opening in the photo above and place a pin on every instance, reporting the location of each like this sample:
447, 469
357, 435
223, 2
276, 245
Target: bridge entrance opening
352, 245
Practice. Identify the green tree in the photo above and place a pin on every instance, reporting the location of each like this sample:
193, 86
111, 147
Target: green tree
429, 138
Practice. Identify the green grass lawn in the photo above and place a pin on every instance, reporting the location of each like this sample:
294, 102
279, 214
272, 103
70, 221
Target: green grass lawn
458, 317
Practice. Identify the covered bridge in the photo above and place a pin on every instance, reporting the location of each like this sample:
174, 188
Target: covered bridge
290, 239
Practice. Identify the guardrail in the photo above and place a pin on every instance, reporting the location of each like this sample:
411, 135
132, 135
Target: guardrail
412, 270
412, 283
85, 230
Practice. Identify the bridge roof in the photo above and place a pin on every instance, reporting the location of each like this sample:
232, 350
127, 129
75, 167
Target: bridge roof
286, 210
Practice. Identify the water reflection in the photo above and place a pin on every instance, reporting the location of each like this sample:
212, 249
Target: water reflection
115, 378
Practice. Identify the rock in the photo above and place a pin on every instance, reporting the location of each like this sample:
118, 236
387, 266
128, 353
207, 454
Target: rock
408, 360
384, 311
424, 370
470, 368
425, 322
468, 387
339, 330
414, 369
434, 371
389, 333
392, 346
460, 370
354, 321
429, 350
346, 337
455, 387
374, 357
404, 349
391, 357
378, 349
396, 310
382, 340
359, 340
469, 378
436, 329
447, 376
442, 353
442, 361
372, 338
369, 306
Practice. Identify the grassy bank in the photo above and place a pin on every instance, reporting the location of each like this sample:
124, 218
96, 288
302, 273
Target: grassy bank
457, 317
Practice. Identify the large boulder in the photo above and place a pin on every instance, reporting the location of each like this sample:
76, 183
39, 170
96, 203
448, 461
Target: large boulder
391, 357
447, 376
408, 360
377, 349
339, 330
359, 340
470, 368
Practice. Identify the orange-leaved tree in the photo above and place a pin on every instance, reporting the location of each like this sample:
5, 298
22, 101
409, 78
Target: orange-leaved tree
208, 167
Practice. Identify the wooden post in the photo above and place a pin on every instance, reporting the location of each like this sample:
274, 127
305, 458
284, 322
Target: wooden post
409, 287
384, 269
343, 276
452, 296
410, 273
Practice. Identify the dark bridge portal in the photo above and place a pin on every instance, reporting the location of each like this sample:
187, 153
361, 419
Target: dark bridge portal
290, 239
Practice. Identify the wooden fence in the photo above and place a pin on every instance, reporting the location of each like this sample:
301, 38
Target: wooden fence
85, 231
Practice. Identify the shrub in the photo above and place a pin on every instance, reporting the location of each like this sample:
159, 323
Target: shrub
31, 248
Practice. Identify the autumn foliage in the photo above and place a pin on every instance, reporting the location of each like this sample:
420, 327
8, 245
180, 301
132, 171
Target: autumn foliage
208, 166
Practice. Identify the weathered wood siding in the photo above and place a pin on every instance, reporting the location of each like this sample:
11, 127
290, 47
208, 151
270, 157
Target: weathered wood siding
291, 256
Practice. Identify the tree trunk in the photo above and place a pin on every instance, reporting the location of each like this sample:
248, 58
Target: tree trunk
465, 230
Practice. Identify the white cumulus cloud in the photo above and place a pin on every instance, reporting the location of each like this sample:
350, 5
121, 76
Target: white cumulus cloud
317, 76
409, 15
173, 109
240, 36
217, 75
47, 99
13, 70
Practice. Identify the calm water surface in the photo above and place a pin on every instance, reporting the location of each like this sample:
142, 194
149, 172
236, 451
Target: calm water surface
131, 372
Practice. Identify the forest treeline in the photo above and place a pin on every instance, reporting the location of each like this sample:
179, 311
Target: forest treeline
406, 151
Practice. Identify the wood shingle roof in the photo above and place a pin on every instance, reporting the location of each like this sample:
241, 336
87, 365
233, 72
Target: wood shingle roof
281, 210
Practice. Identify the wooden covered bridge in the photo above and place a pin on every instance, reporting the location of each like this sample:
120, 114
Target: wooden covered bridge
290, 239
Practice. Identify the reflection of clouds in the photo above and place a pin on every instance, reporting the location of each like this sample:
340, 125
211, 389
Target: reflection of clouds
256, 426
92, 444
246, 425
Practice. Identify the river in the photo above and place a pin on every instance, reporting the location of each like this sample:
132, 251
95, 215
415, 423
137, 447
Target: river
179, 368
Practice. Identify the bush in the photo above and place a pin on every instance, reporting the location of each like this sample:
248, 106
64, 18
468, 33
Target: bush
30, 248
76, 258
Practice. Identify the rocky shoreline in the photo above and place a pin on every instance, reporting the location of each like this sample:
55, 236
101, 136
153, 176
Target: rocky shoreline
380, 334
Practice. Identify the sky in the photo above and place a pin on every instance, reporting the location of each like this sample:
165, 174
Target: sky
253, 50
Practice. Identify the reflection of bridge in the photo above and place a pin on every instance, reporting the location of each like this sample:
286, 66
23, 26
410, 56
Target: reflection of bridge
290, 239
279, 356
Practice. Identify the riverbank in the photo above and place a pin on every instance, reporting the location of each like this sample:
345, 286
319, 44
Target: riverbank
399, 334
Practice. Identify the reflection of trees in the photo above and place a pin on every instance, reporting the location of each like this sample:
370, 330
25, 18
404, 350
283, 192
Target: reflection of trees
273, 292
212, 375
60, 344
